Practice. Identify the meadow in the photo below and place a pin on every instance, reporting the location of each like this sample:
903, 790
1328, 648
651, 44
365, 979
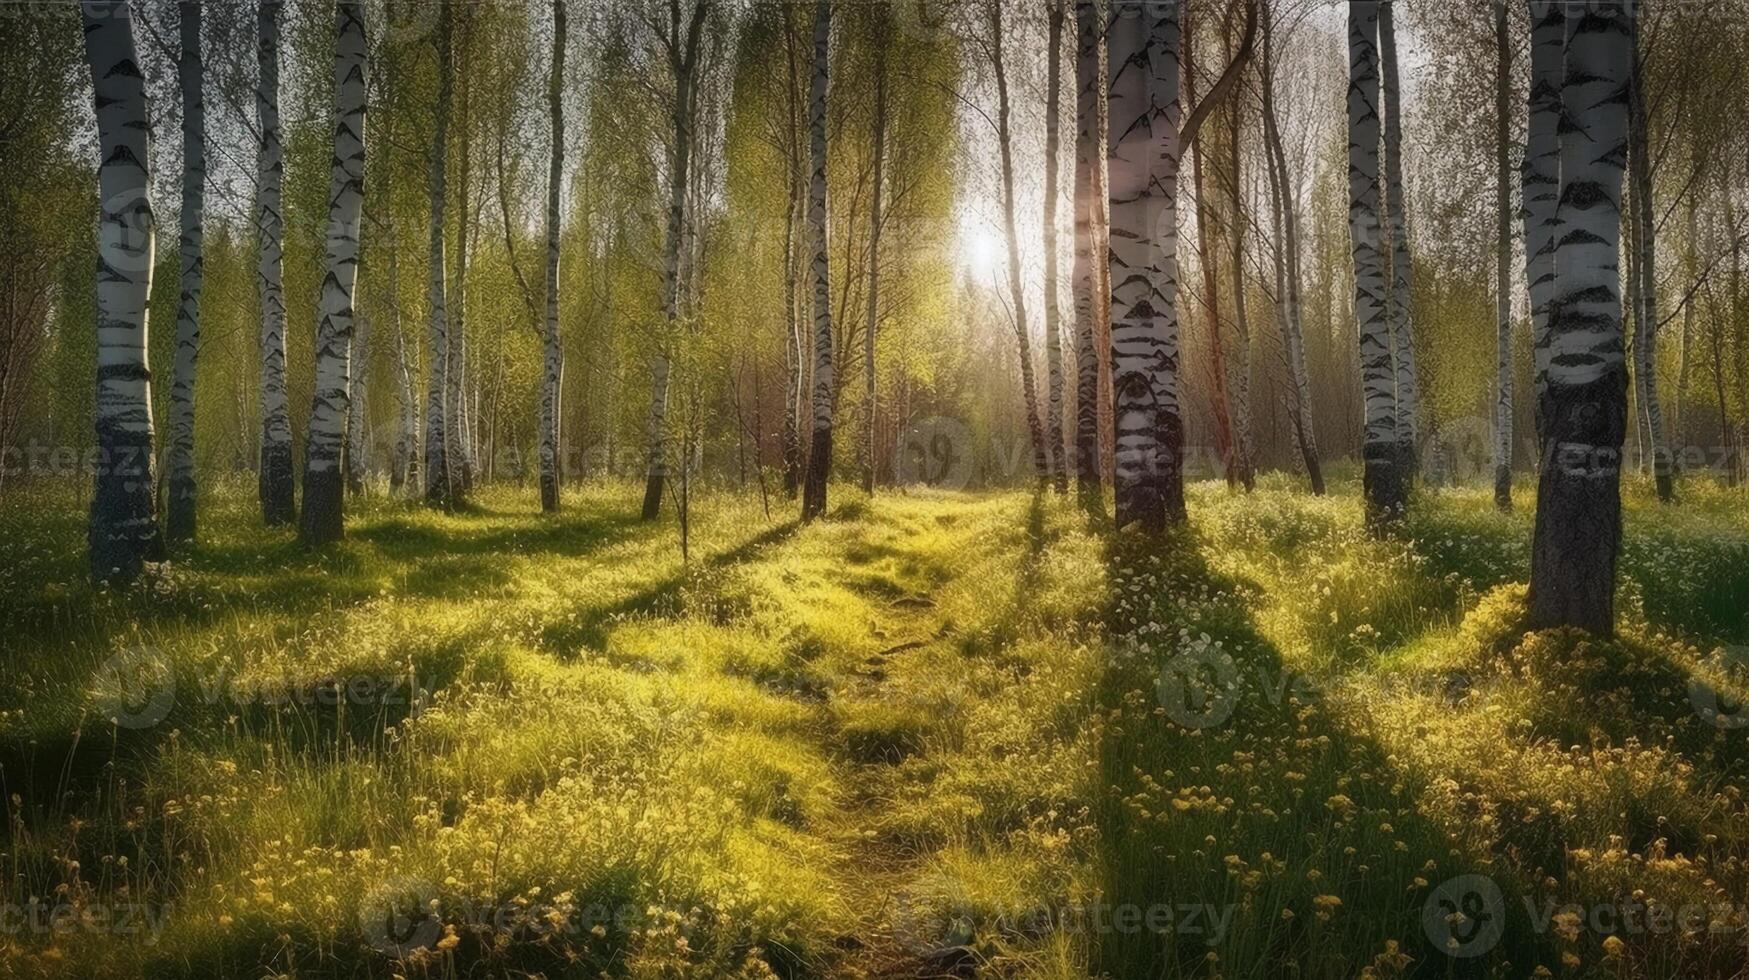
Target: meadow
934, 734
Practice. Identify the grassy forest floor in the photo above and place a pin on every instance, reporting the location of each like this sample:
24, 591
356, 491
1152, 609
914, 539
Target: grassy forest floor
933, 735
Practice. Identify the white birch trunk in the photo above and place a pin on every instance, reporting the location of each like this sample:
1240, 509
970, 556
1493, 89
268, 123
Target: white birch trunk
1089, 76
323, 513
820, 455
1053, 189
1541, 180
1143, 159
123, 530
1646, 311
553, 367
1503, 262
1398, 301
1383, 483
874, 261
276, 484
179, 511
683, 61
1584, 406
440, 489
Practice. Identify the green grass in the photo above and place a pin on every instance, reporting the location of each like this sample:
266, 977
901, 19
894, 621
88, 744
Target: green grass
933, 734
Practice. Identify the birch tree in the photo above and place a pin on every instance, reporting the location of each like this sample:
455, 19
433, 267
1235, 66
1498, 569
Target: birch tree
553, 365
1054, 16
1645, 267
1286, 257
1089, 76
1583, 415
123, 529
1041, 459
275, 483
882, 38
1541, 181
323, 514
1398, 306
1503, 261
681, 44
820, 453
1383, 482
179, 516
1143, 156
440, 489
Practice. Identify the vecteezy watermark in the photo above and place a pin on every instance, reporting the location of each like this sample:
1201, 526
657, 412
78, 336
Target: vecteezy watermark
936, 452
1465, 917
934, 925
1201, 685
137, 688
400, 915
39, 918
1718, 708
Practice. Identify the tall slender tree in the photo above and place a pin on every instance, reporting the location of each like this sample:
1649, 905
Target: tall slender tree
882, 38
1041, 460
1382, 479
124, 528
1645, 264
1503, 259
440, 488
276, 483
1286, 254
1089, 77
179, 514
1584, 404
553, 364
820, 452
1398, 306
1244, 451
324, 503
1055, 13
681, 44
1143, 157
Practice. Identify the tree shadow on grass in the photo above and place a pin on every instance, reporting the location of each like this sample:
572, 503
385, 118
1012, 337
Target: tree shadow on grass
589, 628
1237, 812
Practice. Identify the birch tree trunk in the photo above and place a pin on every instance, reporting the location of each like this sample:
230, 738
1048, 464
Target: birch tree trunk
458, 430
179, 511
1578, 515
440, 489
1243, 451
1646, 311
357, 451
1089, 76
552, 375
1016, 288
1287, 264
1054, 17
1399, 300
1143, 157
323, 515
275, 483
820, 453
874, 259
1542, 181
1503, 260
124, 530
404, 467
795, 348
1211, 293
1382, 481
683, 61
